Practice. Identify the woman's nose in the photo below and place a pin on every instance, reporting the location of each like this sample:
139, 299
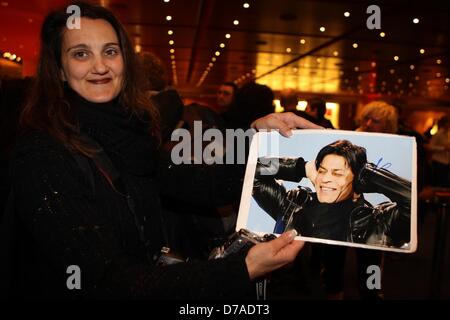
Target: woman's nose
100, 66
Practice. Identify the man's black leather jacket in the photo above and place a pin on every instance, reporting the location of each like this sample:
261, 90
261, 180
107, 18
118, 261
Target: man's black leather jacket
387, 223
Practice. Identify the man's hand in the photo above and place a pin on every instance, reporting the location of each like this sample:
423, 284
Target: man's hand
284, 122
311, 172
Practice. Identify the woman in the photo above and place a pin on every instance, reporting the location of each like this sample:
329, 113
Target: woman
84, 187
337, 210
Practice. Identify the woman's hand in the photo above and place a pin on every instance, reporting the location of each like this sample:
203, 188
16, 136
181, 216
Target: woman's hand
268, 256
284, 122
311, 172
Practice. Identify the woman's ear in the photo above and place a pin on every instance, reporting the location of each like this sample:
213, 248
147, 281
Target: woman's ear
63, 75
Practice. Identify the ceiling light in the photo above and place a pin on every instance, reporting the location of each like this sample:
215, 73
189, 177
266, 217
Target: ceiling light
236, 22
422, 51
222, 45
302, 41
170, 32
228, 36
356, 69
322, 29
288, 50
168, 18
171, 42
392, 71
382, 34
217, 53
412, 67
246, 5
447, 80
346, 14
213, 59
416, 20
335, 53
355, 45
373, 64
438, 61
172, 50
396, 58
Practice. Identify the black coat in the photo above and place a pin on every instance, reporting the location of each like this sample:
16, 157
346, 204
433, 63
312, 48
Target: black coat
58, 216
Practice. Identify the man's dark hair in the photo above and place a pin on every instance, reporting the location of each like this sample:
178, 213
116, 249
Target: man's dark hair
233, 85
319, 105
355, 156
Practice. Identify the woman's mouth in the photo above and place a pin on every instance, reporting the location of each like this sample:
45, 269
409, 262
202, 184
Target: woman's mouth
100, 81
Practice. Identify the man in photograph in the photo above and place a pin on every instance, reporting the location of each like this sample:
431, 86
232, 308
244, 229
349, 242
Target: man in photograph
337, 210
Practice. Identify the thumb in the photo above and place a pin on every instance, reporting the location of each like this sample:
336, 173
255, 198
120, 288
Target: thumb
283, 240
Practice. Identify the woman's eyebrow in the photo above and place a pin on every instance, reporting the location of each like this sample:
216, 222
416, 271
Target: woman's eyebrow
110, 44
78, 46
85, 46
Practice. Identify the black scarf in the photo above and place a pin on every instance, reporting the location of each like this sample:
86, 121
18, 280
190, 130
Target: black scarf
125, 138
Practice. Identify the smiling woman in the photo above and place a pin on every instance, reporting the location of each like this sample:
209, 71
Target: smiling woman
86, 184
92, 61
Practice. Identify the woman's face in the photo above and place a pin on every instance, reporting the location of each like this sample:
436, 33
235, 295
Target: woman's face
334, 180
92, 62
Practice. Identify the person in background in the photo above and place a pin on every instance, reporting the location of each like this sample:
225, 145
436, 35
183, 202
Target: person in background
317, 109
225, 96
252, 101
439, 147
166, 99
289, 101
378, 116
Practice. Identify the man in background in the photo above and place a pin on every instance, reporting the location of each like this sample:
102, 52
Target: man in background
225, 96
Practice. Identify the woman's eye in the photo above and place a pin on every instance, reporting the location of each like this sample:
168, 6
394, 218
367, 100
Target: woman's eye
80, 54
111, 52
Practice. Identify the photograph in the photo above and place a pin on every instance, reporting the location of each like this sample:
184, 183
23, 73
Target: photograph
335, 187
